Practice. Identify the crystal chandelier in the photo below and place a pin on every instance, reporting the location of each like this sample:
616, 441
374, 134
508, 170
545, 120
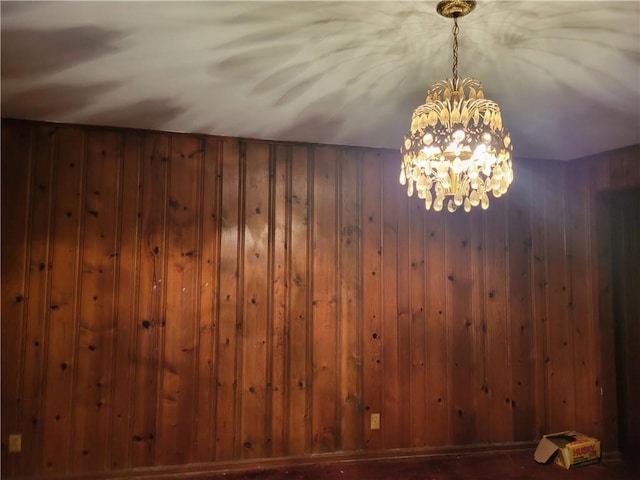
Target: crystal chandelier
457, 146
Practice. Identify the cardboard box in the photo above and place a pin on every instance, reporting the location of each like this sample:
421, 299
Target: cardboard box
568, 449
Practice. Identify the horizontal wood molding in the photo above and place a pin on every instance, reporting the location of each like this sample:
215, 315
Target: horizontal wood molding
252, 466
171, 300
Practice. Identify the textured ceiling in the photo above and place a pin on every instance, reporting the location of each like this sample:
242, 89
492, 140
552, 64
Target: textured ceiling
566, 73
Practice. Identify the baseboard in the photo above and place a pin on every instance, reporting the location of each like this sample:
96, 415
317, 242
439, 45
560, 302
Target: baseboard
612, 456
201, 470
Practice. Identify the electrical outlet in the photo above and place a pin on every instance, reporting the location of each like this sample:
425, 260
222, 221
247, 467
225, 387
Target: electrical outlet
375, 421
15, 443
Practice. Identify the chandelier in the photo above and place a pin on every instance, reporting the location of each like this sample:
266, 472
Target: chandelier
457, 149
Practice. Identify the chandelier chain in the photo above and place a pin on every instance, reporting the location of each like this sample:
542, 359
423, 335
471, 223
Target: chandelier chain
456, 29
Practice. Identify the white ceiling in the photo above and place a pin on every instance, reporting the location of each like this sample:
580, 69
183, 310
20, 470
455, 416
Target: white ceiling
566, 73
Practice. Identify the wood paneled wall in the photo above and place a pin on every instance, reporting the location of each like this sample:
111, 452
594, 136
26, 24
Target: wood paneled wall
173, 299
624, 217
608, 176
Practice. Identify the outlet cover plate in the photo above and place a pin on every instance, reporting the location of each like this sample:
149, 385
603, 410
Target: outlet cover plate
375, 421
15, 443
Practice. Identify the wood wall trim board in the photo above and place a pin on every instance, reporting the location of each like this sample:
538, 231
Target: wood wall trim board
478, 336
256, 465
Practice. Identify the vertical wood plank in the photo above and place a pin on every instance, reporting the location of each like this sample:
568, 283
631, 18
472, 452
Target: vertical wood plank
299, 301
278, 343
17, 352
403, 311
150, 319
228, 321
41, 188
392, 416
254, 415
204, 418
417, 302
373, 335
498, 354
90, 423
480, 388
177, 382
561, 408
350, 296
538, 295
325, 300
579, 305
599, 357
62, 302
626, 306
437, 345
126, 307
459, 316
520, 242
606, 325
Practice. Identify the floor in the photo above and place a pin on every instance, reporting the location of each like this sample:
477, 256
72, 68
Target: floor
509, 466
